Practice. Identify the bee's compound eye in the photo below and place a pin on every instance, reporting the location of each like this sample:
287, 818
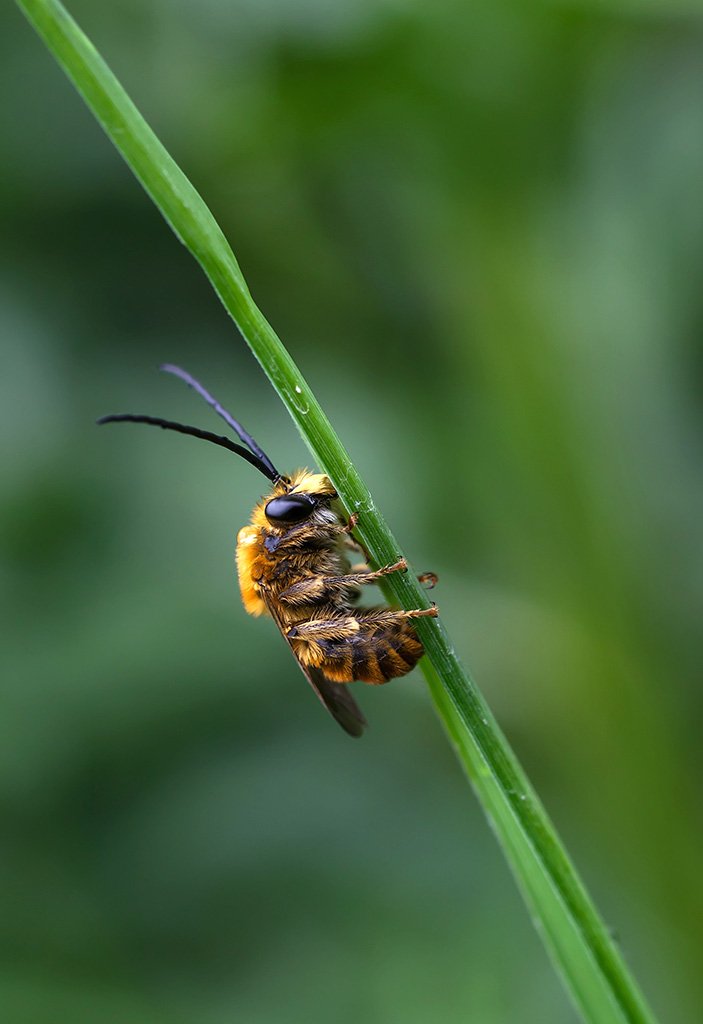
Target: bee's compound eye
290, 508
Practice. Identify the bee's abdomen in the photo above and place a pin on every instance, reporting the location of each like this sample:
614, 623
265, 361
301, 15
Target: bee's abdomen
376, 659
382, 646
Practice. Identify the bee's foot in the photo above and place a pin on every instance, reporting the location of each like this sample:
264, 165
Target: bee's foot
429, 579
419, 613
400, 566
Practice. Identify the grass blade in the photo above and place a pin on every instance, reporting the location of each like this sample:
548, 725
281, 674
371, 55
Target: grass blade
578, 941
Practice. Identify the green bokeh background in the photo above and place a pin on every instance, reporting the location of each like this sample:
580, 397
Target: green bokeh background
479, 229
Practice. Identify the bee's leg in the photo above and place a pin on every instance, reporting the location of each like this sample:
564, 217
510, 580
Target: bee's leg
326, 588
352, 542
359, 625
351, 523
428, 579
431, 579
371, 575
320, 630
421, 613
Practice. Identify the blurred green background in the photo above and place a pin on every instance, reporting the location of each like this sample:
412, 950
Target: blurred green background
479, 229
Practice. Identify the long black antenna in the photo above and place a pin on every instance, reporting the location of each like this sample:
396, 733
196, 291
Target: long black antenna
224, 442
229, 420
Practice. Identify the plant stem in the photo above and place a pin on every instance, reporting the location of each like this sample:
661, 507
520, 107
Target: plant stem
579, 943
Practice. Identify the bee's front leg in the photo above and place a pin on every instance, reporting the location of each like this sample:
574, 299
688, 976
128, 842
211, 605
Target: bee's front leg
352, 542
351, 523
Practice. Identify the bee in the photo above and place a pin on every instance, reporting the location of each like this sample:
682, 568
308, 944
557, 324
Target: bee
293, 565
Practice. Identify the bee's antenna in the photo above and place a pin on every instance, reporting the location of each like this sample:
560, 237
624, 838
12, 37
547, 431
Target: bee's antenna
236, 427
224, 442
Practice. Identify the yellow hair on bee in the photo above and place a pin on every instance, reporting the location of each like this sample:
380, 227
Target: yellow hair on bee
311, 483
248, 555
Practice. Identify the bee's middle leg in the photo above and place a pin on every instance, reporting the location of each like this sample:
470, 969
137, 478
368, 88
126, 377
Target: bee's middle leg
362, 573
325, 588
371, 575
428, 579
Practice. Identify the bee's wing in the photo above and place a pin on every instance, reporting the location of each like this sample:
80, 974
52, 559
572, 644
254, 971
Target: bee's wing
337, 699
335, 696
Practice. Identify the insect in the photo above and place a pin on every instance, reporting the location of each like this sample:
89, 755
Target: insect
293, 565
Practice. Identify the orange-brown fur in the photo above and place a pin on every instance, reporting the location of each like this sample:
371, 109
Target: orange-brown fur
300, 574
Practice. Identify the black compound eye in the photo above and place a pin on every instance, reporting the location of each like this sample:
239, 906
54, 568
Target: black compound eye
291, 508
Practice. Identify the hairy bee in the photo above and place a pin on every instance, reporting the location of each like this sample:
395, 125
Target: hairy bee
293, 565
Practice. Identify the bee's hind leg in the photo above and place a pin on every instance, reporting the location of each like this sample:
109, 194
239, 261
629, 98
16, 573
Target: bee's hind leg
420, 613
429, 579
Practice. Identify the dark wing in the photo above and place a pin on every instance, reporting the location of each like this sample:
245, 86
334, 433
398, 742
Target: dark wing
337, 699
335, 696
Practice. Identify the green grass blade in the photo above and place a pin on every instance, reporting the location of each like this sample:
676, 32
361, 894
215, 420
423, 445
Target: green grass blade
578, 941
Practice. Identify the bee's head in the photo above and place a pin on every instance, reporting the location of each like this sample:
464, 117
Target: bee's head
299, 498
